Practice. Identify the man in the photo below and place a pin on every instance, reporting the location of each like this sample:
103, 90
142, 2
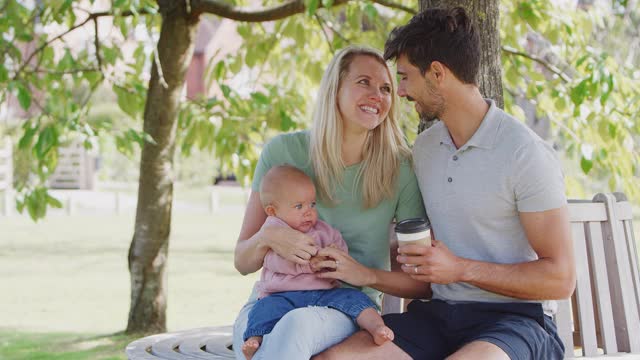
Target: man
494, 193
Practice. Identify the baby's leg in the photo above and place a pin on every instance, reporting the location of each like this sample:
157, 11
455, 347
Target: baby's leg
250, 346
371, 321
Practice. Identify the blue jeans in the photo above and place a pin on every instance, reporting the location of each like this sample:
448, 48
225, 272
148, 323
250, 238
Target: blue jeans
270, 309
300, 334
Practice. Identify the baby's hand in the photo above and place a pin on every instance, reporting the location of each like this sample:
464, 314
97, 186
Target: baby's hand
315, 262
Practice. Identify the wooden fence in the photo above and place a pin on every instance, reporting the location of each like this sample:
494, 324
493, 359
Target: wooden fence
75, 170
6, 175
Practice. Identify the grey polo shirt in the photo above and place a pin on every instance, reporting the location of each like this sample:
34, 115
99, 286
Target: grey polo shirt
473, 194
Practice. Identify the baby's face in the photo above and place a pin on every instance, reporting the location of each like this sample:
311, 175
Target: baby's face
298, 207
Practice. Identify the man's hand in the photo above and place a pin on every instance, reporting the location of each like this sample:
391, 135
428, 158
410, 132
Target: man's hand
434, 264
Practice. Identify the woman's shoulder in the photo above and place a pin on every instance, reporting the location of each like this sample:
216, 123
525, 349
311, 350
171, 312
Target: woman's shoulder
406, 164
406, 171
288, 143
289, 148
296, 138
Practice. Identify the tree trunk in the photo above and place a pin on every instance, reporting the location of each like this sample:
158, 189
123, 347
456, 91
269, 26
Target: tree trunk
148, 251
485, 15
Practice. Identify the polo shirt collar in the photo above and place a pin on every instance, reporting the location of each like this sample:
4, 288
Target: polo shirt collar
486, 135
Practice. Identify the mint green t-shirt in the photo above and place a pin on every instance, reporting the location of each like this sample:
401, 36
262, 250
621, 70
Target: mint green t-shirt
366, 232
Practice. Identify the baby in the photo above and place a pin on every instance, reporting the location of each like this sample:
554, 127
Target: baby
289, 199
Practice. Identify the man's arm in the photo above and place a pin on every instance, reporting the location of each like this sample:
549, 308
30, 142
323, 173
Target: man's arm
551, 276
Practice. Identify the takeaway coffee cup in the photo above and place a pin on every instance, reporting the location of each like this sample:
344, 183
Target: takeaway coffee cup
414, 232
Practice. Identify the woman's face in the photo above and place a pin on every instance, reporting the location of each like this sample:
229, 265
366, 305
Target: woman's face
364, 97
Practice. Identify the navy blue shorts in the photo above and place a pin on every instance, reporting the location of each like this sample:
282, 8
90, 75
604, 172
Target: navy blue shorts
436, 329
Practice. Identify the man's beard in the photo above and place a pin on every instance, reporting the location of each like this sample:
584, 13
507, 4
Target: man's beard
434, 111
428, 115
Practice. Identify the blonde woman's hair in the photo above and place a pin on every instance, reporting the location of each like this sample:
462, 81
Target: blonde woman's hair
384, 148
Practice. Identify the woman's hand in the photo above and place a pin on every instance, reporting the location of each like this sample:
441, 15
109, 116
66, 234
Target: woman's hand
290, 244
342, 267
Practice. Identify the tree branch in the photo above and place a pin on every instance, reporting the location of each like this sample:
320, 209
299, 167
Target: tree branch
62, 72
548, 66
270, 13
96, 41
326, 36
392, 5
90, 17
333, 29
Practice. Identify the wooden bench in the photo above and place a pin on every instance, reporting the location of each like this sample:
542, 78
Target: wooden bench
600, 320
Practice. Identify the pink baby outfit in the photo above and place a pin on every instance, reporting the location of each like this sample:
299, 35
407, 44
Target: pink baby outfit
279, 274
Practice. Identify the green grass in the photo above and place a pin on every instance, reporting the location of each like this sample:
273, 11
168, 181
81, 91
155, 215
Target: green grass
65, 285
61, 346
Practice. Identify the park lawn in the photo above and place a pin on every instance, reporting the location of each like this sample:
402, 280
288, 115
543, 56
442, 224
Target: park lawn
61, 346
65, 281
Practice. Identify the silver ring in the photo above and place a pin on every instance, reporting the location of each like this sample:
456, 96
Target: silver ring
337, 263
415, 269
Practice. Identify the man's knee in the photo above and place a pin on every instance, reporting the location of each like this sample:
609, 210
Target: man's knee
479, 350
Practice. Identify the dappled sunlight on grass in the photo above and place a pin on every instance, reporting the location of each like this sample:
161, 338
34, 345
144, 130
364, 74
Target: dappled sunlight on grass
62, 346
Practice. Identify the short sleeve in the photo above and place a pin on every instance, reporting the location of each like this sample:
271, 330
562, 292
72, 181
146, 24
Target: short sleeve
410, 204
538, 180
266, 161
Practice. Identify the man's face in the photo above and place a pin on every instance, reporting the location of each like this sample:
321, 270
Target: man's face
417, 87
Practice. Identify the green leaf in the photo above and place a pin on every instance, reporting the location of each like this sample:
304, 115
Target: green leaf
220, 70
613, 130
24, 96
29, 133
4, 74
46, 141
312, 6
370, 11
586, 165
127, 101
53, 202
580, 92
67, 61
226, 90
109, 55
286, 123
260, 98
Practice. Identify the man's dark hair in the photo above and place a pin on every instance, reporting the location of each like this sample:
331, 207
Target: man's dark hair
444, 35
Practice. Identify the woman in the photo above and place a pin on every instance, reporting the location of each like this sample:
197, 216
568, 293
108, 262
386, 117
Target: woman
360, 163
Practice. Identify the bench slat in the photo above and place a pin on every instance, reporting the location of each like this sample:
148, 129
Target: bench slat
601, 284
583, 212
565, 328
624, 211
625, 310
583, 292
633, 259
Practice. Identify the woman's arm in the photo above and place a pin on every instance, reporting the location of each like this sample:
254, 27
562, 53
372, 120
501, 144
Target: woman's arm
352, 272
254, 241
251, 247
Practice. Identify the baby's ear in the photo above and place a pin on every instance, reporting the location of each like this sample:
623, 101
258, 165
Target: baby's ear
270, 210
